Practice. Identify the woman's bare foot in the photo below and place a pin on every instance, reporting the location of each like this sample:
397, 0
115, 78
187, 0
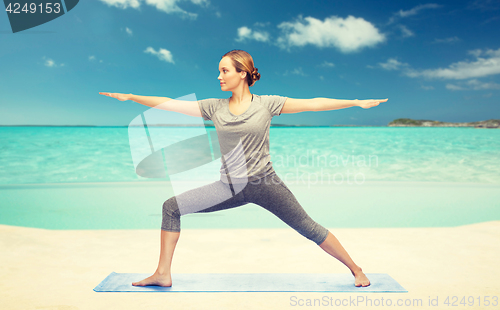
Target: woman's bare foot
156, 279
360, 278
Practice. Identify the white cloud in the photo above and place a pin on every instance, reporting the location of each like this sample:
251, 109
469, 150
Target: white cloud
473, 84
478, 85
447, 40
296, 71
128, 30
123, 4
200, 2
453, 87
327, 64
348, 35
167, 6
393, 64
427, 87
406, 32
162, 54
93, 58
51, 63
486, 63
245, 33
475, 53
259, 24
418, 8
485, 5
413, 11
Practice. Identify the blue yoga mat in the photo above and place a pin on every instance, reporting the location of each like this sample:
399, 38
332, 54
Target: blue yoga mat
252, 282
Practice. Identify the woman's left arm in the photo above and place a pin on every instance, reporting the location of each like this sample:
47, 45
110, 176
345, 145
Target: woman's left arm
326, 104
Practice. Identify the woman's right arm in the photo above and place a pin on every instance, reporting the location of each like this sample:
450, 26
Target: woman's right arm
190, 108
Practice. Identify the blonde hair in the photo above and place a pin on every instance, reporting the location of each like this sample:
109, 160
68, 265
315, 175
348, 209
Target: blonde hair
242, 61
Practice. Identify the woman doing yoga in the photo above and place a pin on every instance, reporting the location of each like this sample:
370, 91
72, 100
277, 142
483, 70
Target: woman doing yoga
247, 175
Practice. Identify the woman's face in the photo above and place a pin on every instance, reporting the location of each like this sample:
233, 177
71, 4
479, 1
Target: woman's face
228, 77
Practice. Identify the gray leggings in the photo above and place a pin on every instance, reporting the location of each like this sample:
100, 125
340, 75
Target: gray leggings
269, 192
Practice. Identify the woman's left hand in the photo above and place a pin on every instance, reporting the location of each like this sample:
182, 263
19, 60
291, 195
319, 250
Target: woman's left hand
366, 104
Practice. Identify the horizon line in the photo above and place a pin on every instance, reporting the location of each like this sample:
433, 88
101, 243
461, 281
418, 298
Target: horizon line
185, 125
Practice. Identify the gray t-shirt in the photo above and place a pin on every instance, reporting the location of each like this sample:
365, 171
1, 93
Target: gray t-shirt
244, 138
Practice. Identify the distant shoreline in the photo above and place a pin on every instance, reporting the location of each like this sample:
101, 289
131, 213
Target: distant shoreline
408, 122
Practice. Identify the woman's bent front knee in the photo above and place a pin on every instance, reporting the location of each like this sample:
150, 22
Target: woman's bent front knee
171, 216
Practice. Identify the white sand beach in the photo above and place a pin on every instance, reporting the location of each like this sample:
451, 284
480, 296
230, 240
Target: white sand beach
58, 269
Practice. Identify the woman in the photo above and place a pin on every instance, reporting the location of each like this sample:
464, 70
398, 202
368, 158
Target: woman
247, 175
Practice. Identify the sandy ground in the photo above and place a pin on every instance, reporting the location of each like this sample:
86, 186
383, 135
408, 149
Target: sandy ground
58, 269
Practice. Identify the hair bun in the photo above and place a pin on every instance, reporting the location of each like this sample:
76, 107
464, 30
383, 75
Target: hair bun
255, 74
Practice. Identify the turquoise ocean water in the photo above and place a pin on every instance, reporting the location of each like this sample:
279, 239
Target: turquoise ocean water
74, 165
100, 154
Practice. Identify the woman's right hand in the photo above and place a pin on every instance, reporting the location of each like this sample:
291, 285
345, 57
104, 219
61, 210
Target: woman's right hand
121, 97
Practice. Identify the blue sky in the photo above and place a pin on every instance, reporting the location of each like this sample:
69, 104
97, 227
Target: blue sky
436, 60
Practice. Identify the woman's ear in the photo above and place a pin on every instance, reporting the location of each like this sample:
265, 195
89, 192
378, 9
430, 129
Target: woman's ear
243, 75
